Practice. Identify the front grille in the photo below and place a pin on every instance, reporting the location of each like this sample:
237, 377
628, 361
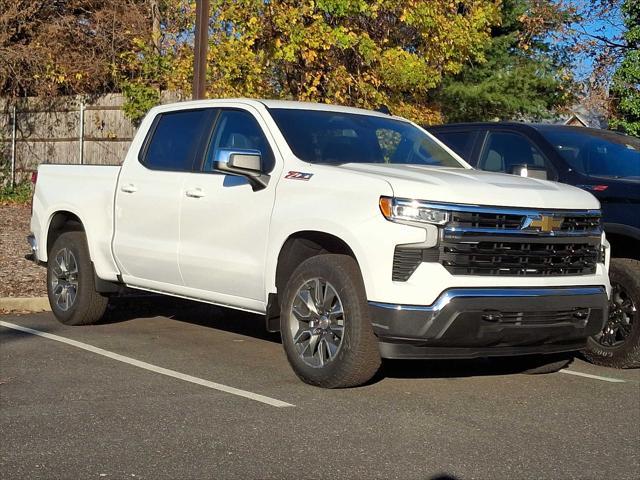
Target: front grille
509, 242
572, 223
485, 220
519, 258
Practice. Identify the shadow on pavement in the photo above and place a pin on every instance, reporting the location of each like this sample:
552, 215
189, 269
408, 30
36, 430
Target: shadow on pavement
141, 306
134, 307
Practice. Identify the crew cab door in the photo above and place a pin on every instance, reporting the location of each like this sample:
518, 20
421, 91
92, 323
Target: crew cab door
224, 223
149, 191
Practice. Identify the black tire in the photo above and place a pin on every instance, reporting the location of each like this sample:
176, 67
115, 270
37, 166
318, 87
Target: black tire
87, 306
625, 273
543, 364
358, 358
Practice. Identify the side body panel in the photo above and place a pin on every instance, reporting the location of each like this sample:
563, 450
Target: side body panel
86, 192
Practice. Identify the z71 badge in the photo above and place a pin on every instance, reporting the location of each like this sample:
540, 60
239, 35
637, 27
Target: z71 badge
298, 175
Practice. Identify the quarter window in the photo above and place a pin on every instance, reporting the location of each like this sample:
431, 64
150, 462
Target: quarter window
176, 138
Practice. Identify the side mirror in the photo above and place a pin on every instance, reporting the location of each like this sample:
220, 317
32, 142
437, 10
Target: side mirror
529, 171
245, 163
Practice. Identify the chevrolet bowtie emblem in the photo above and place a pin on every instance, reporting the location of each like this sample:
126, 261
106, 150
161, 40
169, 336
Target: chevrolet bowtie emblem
544, 223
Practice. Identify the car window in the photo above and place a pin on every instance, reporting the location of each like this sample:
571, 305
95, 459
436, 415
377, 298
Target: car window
330, 137
504, 151
175, 139
239, 130
600, 153
460, 142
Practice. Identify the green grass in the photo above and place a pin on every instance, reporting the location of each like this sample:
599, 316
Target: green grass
21, 193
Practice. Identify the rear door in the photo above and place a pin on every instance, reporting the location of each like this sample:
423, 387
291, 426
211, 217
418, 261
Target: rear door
148, 198
225, 223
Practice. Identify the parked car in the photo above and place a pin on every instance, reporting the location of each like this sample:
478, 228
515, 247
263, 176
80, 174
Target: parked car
605, 163
356, 234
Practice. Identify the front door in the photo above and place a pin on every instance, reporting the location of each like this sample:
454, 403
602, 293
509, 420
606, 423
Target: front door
224, 224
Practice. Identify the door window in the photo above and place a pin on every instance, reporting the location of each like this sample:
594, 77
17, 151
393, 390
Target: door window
239, 130
505, 151
176, 139
460, 142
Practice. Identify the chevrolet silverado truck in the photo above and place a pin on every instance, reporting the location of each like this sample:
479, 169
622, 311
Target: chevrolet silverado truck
357, 235
603, 162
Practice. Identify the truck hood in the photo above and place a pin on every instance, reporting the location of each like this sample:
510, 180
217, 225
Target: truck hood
470, 186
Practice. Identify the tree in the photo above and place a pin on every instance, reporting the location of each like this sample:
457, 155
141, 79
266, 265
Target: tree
522, 75
625, 88
366, 53
62, 47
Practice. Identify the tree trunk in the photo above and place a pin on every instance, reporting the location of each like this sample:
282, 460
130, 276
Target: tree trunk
155, 23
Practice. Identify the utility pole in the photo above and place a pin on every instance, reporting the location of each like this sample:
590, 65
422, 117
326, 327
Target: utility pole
201, 40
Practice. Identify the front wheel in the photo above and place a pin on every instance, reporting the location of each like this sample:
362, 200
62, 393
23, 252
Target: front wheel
71, 283
618, 345
325, 326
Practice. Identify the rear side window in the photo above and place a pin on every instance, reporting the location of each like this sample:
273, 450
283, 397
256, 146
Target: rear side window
460, 142
176, 139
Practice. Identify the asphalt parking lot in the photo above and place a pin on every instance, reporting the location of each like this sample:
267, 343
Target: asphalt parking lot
150, 394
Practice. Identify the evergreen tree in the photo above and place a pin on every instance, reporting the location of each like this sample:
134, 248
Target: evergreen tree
625, 88
522, 77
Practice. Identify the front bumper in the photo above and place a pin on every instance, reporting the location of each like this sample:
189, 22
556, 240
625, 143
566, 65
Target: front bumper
479, 322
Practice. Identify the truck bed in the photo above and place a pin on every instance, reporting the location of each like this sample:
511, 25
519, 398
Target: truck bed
86, 191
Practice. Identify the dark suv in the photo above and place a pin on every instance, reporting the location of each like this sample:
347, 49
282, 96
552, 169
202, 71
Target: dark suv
605, 163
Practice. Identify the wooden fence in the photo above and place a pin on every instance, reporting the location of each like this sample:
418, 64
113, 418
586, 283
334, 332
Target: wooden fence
69, 130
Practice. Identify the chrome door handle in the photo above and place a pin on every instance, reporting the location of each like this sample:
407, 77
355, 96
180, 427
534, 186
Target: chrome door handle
195, 193
129, 188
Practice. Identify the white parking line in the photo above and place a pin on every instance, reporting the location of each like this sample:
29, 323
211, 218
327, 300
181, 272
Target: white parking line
595, 377
153, 368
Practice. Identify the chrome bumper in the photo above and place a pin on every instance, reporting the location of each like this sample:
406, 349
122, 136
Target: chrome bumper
487, 321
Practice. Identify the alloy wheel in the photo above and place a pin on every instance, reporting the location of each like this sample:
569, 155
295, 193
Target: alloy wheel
316, 322
64, 281
622, 314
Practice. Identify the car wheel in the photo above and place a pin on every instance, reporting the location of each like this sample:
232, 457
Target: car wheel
325, 325
71, 283
618, 345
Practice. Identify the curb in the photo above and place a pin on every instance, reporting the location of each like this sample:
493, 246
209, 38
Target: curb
25, 304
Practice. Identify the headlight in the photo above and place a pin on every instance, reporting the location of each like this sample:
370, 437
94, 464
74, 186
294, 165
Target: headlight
412, 211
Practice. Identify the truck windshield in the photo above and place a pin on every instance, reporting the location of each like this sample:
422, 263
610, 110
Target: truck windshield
320, 136
598, 154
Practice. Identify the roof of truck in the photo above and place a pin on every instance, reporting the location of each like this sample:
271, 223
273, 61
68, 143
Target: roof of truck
285, 104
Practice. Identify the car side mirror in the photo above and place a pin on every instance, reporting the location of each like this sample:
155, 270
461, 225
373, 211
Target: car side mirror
245, 163
529, 171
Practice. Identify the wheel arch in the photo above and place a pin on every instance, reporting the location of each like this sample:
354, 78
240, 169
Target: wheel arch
625, 242
295, 249
59, 222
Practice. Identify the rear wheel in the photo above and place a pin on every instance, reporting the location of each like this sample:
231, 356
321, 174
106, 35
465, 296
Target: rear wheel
325, 325
618, 345
71, 282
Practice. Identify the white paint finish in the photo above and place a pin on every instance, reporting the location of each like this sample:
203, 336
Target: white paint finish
86, 191
224, 233
593, 377
477, 187
230, 247
150, 367
147, 224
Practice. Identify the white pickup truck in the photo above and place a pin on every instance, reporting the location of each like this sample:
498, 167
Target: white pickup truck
357, 234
